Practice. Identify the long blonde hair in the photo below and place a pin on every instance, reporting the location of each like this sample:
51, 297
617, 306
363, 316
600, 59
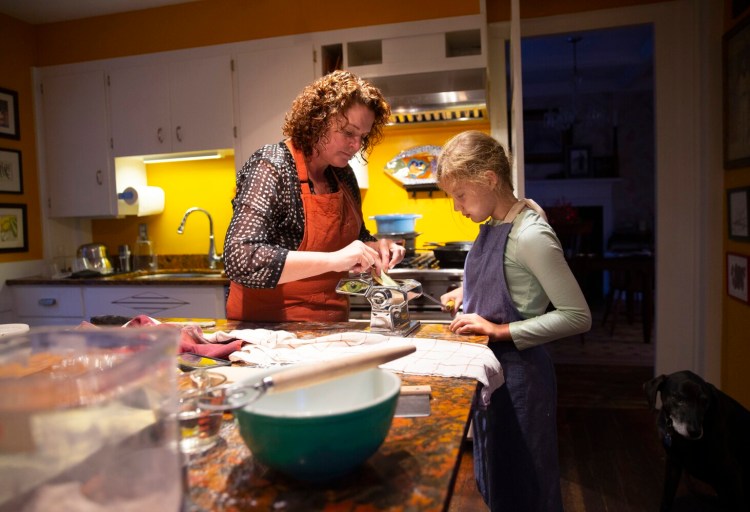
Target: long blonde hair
466, 157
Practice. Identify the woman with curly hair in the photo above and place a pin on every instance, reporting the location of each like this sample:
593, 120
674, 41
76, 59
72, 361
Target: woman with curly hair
297, 226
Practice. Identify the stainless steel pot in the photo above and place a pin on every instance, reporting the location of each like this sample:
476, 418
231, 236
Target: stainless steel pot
94, 257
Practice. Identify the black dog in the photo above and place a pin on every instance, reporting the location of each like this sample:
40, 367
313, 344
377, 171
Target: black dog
706, 433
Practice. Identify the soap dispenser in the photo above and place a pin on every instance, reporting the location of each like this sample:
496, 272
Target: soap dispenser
144, 257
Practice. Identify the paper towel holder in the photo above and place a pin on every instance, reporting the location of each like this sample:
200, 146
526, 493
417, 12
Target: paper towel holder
140, 201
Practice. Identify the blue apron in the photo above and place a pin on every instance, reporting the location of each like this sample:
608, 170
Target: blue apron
515, 437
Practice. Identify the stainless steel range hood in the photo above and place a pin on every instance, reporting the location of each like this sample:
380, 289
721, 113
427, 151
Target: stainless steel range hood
455, 95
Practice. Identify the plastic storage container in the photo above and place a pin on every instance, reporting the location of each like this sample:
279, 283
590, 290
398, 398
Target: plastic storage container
396, 222
88, 420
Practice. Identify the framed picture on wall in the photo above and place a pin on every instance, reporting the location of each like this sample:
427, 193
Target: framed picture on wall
11, 177
738, 200
736, 50
579, 162
737, 279
13, 228
9, 114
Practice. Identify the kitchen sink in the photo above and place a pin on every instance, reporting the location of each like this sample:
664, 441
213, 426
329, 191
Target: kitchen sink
181, 275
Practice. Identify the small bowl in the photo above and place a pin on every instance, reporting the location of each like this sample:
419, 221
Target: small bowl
324, 431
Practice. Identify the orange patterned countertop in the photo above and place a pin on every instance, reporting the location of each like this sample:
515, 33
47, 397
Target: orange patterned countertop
414, 469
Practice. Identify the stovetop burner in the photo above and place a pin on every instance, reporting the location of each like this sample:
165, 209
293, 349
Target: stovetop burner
423, 260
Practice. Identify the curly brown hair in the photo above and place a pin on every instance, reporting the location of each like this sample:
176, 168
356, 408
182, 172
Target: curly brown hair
319, 103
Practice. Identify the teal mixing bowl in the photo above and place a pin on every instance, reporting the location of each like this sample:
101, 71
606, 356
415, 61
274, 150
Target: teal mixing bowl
322, 431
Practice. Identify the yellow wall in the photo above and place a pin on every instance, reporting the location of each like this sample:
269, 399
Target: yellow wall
736, 314
16, 59
209, 184
439, 223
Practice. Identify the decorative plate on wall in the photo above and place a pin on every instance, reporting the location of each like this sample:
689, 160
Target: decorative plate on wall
415, 168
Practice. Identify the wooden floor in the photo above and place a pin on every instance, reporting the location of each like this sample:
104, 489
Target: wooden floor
610, 456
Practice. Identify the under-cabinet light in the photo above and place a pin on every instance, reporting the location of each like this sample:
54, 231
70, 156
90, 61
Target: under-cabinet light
182, 158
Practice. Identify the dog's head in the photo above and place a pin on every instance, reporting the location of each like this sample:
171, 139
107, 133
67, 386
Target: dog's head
685, 398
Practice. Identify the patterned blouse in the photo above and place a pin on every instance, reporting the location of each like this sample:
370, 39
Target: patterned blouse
269, 219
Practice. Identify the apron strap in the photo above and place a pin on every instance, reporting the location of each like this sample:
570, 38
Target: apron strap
514, 211
299, 160
520, 205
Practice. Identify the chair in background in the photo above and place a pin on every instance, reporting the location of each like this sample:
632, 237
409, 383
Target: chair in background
630, 266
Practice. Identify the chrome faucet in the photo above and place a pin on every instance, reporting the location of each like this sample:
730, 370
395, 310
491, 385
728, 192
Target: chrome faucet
213, 258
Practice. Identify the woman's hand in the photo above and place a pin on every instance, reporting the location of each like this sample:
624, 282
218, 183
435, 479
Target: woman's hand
356, 257
474, 324
390, 254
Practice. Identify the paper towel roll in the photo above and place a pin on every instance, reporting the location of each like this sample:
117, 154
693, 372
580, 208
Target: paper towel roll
141, 200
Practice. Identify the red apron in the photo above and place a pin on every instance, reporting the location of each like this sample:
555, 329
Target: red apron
332, 221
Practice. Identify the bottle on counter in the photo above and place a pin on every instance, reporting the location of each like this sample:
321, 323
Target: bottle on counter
144, 257
124, 253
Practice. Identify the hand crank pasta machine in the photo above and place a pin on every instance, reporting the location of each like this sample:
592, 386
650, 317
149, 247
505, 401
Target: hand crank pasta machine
389, 305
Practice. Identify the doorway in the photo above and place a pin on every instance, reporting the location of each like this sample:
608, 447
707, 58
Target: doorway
589, 151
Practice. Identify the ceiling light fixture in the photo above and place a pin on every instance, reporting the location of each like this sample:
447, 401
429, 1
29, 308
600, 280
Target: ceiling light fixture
583, 109
182, 158
564, 117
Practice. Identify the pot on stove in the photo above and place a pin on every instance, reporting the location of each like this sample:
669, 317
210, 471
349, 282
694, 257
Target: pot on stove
450, 254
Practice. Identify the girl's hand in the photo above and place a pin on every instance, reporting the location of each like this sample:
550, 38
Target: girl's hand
452, 300
474, 324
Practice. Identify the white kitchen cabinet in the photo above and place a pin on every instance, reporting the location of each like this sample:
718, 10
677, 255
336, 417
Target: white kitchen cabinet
172, 108
406, 48
77, 162
268, 81
155, 301
139, 100
48, 305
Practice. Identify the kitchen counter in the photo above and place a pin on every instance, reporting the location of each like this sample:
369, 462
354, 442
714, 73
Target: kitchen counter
172, 277
414, 469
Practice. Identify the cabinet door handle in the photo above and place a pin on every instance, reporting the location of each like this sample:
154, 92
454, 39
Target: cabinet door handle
99, 177
179, 133
160, 135
47, 302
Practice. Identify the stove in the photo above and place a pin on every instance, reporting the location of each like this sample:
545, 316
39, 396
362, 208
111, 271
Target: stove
425, 260
434, 282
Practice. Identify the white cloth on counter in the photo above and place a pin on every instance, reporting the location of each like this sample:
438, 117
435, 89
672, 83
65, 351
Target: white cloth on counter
433, 357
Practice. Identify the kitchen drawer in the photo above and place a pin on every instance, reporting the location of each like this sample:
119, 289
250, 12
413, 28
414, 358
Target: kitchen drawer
48, 301
155, 301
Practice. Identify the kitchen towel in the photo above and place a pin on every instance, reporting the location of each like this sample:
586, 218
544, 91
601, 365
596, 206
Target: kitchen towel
265, 348
433, 357
192, 338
